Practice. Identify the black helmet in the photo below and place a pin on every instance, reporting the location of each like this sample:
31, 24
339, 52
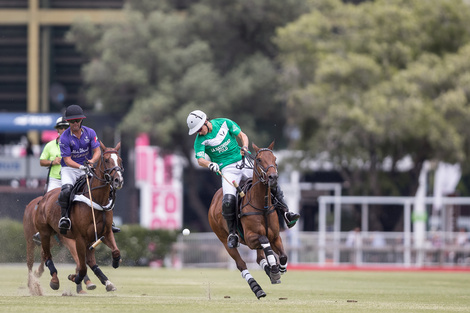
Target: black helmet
74, 112
61, 122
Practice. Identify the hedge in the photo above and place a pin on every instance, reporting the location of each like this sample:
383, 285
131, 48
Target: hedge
139, 246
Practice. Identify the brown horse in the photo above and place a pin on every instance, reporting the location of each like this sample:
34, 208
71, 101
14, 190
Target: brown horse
87, 223
29, 230
258, 225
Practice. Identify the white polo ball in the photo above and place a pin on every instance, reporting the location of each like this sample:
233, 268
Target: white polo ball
186, 232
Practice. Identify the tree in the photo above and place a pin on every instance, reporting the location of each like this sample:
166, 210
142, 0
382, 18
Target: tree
373, 83
168, 58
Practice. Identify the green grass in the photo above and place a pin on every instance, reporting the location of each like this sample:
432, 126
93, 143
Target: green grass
215, 290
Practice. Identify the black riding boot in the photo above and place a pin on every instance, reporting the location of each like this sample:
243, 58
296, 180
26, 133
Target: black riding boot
229, 213
114, 228
64, 222
290, 217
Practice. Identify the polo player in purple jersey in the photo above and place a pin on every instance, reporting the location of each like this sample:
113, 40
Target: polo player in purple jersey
78, 145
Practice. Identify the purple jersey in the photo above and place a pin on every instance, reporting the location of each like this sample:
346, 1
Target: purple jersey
79, 149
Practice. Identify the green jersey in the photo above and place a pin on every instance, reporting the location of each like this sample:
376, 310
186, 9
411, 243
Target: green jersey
50, 152
220, 144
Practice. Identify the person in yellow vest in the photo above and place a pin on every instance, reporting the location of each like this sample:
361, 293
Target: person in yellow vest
50, 157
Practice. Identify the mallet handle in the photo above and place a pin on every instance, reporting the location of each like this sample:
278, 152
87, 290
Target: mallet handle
96, 243
234, 184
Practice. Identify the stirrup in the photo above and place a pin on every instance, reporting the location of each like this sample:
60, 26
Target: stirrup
232, 241
37, 239
64, 225
291, 218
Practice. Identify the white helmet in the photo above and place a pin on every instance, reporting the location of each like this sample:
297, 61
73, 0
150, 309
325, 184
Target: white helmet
61, 122
195, 121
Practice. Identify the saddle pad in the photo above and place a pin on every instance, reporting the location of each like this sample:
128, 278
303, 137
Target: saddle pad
96, 206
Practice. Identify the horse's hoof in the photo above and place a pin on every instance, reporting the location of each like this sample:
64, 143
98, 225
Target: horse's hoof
275, 277
54, 285
260, 294
82, 292
110, 286
90, 286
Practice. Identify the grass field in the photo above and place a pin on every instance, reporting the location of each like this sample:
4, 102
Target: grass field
216, 290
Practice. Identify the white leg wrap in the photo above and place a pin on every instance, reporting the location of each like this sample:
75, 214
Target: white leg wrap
246, 274
263, 263
271, 260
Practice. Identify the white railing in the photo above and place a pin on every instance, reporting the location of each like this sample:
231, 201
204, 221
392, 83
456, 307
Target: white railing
441, 249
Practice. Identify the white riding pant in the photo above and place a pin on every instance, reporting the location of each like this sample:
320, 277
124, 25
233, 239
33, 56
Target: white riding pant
232, 173
70, 175
53, 184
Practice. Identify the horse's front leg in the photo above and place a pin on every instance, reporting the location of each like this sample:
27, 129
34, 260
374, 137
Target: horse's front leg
278, 248
81, 248
110, 241
269, 264
47, 258
91, 261
70, 244
241, 265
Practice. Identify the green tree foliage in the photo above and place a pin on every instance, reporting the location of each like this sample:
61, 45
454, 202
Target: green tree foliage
373, 83
168, 58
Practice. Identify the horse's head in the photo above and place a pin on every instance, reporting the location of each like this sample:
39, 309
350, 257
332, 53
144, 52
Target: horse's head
265, 166
111, 166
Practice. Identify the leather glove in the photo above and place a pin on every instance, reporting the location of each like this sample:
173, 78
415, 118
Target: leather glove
87, 170
214, 167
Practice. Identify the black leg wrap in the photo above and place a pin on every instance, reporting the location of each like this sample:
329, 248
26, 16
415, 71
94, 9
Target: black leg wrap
116, 261
102, 277
78, 279
51, 266
254, 285
259, 293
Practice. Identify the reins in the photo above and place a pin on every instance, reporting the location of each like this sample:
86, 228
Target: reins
261, 174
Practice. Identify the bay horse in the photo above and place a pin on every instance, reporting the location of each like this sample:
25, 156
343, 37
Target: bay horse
258, 223
87, 223
29, 230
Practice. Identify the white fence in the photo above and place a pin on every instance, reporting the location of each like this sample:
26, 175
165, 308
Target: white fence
441, 249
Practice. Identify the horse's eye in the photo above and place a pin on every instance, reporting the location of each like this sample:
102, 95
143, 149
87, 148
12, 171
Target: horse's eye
106, 161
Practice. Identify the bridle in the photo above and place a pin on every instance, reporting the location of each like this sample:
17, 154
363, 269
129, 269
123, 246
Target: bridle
259, 170
106, 172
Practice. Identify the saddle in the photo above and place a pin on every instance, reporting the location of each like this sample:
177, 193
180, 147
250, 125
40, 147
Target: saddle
77, 189
78, 194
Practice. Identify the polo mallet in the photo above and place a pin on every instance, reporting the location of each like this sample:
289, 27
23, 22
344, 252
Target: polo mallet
97, 241
47, 180
234, 184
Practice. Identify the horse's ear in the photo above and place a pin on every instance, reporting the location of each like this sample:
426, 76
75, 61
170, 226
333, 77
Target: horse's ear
118, 146
255, 147
271, 146
103, 147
